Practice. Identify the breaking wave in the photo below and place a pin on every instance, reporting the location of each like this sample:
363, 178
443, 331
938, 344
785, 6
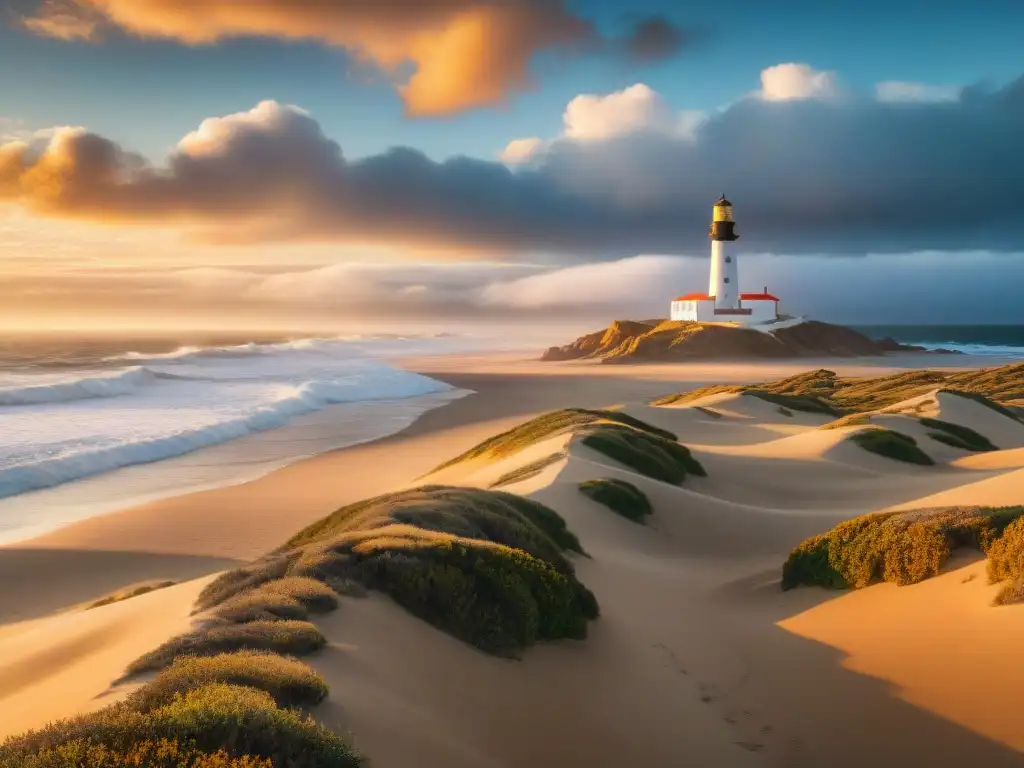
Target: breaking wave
59, 428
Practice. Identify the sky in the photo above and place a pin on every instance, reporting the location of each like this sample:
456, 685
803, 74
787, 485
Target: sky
461, 161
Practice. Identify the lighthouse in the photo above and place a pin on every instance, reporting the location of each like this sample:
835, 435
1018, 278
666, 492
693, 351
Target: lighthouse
725, 280
724, 302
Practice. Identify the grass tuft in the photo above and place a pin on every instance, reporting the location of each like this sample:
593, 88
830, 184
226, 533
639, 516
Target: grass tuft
548, 425
650, 455
957, 435
790, 402
990, 386
288, 637
619, 496
892, 445
527, 471
290, 682
144, 589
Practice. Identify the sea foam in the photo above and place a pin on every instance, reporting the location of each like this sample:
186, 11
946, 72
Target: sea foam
146, 407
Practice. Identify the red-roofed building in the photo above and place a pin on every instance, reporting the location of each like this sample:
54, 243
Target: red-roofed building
723, 303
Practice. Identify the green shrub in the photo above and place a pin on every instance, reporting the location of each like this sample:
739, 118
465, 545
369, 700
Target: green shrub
241, 721
958, 435
647, 454
487, 567
160, 753
619, 496
905, 547
892, 445
117, 597
918, 554
527, 470
548, 425
290, 682
1006, 555
808, 565
290, 637
504, 518
499, 599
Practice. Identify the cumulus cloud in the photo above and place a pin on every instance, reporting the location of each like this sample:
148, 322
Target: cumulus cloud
592, 117
465, 53
807, 174
785, 82
897, 90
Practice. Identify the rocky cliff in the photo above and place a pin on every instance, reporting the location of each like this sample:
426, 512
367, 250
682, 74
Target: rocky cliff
650, 341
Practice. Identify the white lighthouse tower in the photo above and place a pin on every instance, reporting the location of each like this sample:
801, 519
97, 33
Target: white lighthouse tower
725, 277
724, 303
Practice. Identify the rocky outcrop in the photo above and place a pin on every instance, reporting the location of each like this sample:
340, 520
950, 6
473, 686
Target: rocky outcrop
627, 341
601, 342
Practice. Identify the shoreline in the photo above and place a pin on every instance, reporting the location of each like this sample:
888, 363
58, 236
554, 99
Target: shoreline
187, 535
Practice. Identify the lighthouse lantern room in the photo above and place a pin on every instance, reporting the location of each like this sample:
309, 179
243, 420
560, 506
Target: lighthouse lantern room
724, 303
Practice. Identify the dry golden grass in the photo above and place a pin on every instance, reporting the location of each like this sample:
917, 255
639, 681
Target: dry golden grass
859, 395
290, 682
143, 589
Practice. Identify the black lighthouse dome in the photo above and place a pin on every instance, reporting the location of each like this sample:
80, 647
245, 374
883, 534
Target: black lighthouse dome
723, 226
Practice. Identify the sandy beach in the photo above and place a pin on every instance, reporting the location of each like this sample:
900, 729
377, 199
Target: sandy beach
698, 659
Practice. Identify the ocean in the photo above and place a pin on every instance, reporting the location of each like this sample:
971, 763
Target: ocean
88, 425
987, 340
211, 411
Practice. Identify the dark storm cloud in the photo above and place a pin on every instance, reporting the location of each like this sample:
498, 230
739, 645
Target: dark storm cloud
807, 175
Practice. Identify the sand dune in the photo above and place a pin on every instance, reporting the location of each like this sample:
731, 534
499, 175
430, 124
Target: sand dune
698, 657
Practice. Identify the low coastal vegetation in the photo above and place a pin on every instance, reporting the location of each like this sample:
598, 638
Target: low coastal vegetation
804, 403
619, 496
996, 388
649, 454
295, 638
907, 547
892, 445
957, 435
212, 726
548, 425
485, 566
127, 594
290, 682
488, 567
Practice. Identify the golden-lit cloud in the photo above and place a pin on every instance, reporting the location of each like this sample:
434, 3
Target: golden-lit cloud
464, 53
64, 20
809, 172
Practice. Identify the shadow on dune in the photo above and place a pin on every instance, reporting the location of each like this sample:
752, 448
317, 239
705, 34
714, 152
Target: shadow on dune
825, 713
35, 582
